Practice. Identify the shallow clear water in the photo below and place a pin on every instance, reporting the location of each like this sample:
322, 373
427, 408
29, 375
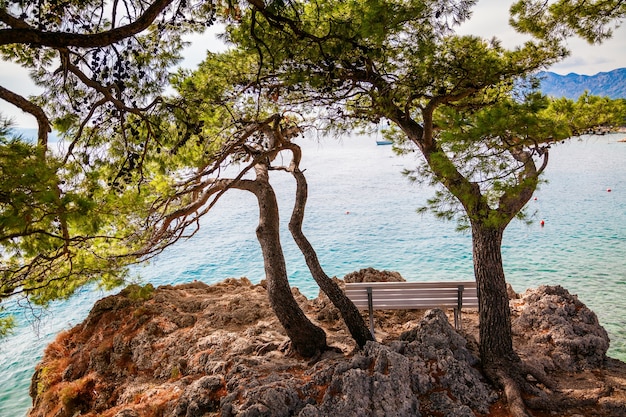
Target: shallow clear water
361, 213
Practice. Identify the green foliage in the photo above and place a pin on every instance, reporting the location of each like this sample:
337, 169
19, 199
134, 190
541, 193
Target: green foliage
484, 145
59, 230
47, 374
363, 61
138, 292
129, 185
74, 216
175, 373
360, 62
589, 113
80, 215
7, 323
451, 97
591, 20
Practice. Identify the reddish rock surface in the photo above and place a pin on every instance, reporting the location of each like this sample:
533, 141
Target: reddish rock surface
199, 350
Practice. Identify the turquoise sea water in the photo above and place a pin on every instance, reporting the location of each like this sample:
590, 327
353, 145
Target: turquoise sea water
361, 213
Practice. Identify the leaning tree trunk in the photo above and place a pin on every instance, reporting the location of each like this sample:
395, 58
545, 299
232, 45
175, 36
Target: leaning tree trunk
306, 338
350, 314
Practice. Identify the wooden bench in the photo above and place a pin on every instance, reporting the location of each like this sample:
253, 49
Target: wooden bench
413, 296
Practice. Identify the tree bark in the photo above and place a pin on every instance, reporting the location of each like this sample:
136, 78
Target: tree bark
21, 33
307, 338
350, 314
495, 315
43, 124
500, 362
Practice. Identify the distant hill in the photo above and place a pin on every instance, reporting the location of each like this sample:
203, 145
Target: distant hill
611, 84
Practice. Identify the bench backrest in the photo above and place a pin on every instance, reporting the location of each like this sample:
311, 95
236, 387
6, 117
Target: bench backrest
413, 295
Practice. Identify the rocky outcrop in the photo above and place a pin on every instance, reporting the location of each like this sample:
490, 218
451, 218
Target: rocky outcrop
196, 350
418, 375
373, 275
561, 332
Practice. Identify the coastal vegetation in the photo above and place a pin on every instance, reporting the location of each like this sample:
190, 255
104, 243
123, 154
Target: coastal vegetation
140, 168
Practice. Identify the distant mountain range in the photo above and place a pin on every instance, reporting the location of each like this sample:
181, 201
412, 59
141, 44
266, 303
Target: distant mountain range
611, 84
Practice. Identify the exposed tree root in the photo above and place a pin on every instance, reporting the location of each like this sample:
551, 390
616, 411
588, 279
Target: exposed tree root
537, 373
513, 377
288, 350
513, 393
528, 387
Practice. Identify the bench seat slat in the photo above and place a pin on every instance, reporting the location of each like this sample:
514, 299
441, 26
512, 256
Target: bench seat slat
408, 293
415, 305
392, 285
412, 301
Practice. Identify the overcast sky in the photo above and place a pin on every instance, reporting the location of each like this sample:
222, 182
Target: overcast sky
490, 19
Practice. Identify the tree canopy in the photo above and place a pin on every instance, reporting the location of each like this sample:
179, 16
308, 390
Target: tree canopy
148, 175
591, 20
103, 67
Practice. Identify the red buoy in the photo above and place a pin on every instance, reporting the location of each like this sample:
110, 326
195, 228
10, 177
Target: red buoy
542, 223
608, 190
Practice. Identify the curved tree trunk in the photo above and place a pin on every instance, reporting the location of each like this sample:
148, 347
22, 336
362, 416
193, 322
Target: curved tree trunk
350, 314
307, 338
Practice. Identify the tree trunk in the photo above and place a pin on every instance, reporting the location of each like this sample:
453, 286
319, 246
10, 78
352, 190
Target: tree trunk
500, 362
496, 345
350, 314
307, 338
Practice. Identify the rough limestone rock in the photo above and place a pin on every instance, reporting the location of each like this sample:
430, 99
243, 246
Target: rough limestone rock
373, 275
563, 333
438, 345
428, 372
196, 350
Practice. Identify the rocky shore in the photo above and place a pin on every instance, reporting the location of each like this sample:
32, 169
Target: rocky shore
197, 350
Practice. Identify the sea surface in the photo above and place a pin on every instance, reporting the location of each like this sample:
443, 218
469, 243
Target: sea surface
362, 213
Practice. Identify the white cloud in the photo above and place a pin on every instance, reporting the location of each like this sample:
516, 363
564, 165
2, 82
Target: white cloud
16, 79
592, 59
490, 18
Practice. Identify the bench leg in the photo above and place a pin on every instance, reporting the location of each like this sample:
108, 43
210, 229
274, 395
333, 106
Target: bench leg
370, 305
458, 324
457, 311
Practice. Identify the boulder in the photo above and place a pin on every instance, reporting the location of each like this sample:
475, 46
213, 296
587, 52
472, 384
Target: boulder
561, 333
373, 275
